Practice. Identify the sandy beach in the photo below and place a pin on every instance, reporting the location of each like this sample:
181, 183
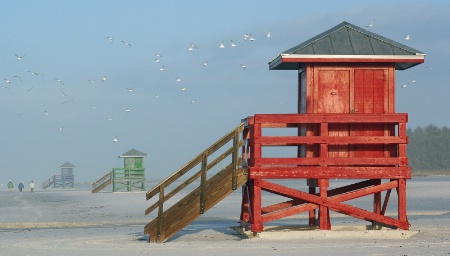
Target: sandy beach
75, 222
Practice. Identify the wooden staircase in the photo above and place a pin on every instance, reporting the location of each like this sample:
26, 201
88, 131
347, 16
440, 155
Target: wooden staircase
48, 182
102, 183
202, 198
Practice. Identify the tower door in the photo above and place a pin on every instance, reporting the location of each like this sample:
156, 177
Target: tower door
369, 97
333, 96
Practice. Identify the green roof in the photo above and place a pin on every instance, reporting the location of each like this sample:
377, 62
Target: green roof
349, 40
133, 153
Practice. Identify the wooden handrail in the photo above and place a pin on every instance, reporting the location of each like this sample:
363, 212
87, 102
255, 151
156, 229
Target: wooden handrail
48, 182
206, 166
107, 177
196, 160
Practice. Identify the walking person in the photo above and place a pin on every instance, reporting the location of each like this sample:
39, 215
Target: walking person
21, 186
10, 186
31, 186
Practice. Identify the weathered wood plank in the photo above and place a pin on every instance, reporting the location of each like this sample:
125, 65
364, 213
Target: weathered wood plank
362, 172
379, 161
331, 140
188, 208
329, 118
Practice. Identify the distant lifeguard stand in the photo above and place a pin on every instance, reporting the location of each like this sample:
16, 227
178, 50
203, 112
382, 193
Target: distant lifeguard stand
66, 179
132, 175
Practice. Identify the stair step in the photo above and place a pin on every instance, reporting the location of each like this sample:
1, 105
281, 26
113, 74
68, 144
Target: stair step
188, 209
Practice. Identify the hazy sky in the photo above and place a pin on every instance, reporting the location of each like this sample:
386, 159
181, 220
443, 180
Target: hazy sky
53, 56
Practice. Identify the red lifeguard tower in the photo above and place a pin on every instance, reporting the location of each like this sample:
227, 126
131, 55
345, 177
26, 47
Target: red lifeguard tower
346, 127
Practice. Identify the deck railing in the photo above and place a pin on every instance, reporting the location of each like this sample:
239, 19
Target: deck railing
318, 136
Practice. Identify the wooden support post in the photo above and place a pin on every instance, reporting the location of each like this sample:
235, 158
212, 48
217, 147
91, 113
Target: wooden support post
235, 160
376, 200
257, 225
324, 221
312, 213
203, 182
160, 214
245, 206
402, 202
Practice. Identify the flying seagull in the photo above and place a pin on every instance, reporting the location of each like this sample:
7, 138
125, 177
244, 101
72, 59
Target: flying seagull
59, 80
192, 47
18, 77
370, 25
19, 57
126, 43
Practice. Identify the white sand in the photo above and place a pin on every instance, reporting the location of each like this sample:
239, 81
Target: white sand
76, 222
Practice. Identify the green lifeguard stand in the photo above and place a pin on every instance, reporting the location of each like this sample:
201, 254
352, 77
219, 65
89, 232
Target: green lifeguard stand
132, 175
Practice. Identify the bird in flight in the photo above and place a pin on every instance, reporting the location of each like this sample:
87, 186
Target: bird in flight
222, 45
408, 37
35, 73
126, 43
268, 35
104, 78
59, 81
115, 139
192, 47
19, 57
232, 44
370, 24
243, 66
178, 79
18, 77
110, 39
